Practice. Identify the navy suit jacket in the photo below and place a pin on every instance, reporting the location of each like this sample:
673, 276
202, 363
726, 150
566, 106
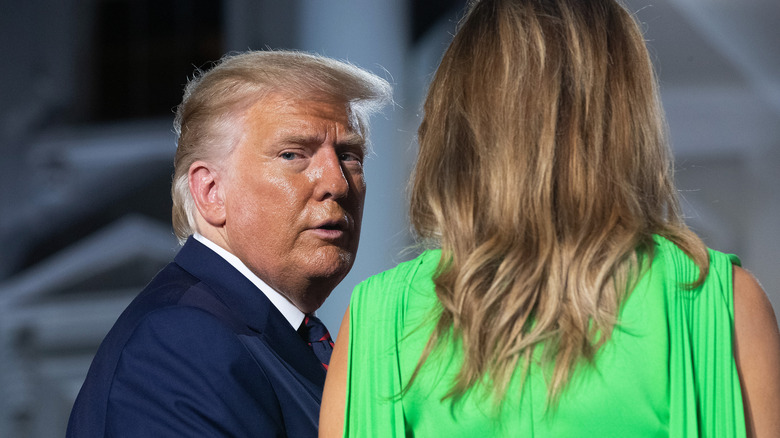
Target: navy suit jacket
200, 352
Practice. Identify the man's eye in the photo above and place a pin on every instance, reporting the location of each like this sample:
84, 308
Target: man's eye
288, 155
348, 157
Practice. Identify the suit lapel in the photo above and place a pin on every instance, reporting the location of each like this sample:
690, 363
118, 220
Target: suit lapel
252, 308
288, 344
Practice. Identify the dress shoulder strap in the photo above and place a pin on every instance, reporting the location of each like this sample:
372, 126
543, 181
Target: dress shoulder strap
706, 398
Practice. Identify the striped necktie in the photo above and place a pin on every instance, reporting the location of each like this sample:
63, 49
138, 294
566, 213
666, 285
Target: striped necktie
316, 335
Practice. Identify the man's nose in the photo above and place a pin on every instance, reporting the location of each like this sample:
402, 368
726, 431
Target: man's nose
331, 181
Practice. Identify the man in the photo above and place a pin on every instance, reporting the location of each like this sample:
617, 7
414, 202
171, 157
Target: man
268, 195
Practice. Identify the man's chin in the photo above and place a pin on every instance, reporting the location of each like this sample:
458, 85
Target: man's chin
331, 263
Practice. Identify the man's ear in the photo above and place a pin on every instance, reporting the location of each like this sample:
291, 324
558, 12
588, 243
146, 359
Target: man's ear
206, 186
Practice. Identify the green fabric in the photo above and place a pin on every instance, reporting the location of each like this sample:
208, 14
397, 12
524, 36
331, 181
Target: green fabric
667, 371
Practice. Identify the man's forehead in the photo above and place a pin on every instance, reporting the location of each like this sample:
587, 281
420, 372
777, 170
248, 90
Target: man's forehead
303, 104
296, 119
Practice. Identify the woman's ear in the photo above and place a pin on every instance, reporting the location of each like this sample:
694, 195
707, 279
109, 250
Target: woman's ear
206, 187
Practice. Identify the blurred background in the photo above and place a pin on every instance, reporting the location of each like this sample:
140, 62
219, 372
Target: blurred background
86, 147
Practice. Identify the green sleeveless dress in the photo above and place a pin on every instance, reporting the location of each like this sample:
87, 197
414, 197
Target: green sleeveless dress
667, 371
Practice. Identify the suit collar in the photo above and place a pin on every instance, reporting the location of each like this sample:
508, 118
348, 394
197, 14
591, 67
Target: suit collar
293, 315
251, 306
232, 288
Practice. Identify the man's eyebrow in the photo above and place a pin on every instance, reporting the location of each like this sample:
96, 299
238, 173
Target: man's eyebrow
351, 139
302, 139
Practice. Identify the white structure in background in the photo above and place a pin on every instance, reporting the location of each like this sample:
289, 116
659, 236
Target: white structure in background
372, 35
719, 67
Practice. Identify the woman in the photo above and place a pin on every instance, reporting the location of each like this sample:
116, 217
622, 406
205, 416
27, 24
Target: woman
568, 297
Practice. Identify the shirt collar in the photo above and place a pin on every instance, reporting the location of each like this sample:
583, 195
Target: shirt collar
292, 314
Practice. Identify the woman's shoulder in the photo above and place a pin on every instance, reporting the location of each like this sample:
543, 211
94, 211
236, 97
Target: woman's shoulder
396, 282
421, 266
688, 302
681, 267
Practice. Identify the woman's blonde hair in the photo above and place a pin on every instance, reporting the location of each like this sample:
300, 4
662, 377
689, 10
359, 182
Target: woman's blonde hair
543, 173
209, 121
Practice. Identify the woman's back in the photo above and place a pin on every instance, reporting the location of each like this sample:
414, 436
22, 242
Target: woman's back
544, 174
657, 376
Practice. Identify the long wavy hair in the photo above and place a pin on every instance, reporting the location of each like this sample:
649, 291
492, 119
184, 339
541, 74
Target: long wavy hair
543, 173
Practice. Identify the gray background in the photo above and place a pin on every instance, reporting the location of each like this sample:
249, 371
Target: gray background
86, 149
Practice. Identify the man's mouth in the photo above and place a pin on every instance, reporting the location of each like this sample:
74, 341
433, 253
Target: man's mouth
333, 226
332, 229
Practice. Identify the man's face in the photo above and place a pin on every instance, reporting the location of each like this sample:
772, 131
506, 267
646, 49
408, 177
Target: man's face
294, 197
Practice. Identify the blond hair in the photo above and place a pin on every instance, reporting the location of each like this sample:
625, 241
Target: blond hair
208, 120
543, 173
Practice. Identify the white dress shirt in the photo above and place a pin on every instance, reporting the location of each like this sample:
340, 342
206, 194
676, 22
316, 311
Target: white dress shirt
292, 314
